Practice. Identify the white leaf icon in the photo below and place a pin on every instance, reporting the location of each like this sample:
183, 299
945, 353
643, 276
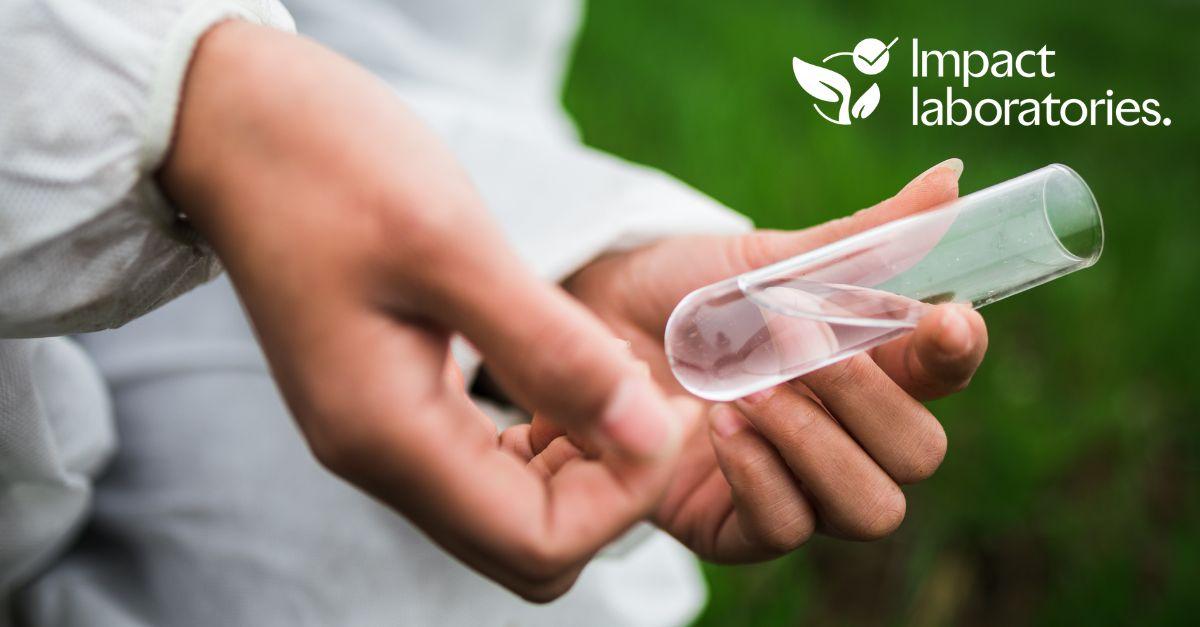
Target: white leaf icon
867, 102
819, 82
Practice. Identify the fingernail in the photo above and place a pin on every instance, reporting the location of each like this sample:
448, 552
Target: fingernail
638, 420
725, 421
953, 164
759, 396
954, 333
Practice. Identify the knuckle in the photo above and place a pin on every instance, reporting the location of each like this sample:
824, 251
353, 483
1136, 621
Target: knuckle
418, 224
845, 226
746, 465
802, 417
797, 430
786, 416
847, 373
751, 251
423, 233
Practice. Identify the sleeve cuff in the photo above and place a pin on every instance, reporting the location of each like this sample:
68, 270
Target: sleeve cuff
167, 84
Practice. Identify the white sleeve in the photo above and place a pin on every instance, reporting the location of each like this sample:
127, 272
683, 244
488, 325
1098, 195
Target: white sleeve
88, 96
560, 203
488, 80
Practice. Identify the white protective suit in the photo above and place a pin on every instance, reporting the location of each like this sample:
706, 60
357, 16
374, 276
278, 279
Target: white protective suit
154, 477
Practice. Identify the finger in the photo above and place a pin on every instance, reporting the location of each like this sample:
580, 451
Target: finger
543, 432
517, 440
532, 526
657, 294
588, 505
552, 355
453, 374
896, 430
554, 457
414, 442
852, 494
937, 185
940, 356
546, 431
455, 383
933, 187
773, 516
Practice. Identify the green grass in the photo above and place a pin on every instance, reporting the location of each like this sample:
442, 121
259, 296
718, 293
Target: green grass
1070, 492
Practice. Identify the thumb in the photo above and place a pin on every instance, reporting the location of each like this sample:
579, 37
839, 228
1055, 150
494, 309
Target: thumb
674, 268
553, 356
937, 185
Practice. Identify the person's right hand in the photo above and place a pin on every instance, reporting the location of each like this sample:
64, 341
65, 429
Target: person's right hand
358, 247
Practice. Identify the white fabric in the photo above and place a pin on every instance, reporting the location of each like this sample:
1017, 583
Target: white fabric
213, 512
55, 435
508, 57
88, 90
487, 77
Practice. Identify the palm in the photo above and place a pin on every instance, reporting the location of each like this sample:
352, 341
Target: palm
634, 293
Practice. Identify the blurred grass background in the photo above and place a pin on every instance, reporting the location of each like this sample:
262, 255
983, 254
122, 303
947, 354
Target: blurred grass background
1070, 493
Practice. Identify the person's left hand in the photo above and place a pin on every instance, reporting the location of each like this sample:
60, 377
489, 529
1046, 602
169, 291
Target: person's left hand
826, 452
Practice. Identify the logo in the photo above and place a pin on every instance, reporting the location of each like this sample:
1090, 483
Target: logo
962, 100
870, 57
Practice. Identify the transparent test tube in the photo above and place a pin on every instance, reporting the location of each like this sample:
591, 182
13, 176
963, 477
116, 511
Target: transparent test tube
758, 329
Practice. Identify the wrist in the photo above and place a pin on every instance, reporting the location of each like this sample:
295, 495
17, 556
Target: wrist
191, 169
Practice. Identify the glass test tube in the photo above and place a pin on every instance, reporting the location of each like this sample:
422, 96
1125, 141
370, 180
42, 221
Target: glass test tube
759, 329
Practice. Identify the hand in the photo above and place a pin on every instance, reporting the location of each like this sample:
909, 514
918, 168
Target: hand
358, 247
825, 452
